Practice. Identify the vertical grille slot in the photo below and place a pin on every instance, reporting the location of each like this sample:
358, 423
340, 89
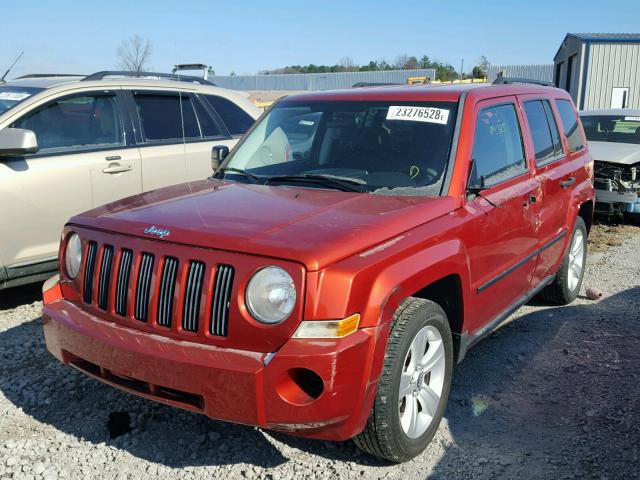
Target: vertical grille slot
143, 286
192, 294
167, 287
122, 287
105, 277
221, 300
88, 271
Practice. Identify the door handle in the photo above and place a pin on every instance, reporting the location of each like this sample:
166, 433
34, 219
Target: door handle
117, 169
113, 158
568, 182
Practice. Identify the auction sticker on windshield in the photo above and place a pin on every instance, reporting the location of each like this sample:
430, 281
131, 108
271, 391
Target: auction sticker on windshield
14, 96
418, 114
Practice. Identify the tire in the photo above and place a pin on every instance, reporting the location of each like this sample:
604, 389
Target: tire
564, 289
384, 435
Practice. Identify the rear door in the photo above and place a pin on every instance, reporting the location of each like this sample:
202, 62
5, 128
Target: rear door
84, 160
558, 169
176, 133
503, 239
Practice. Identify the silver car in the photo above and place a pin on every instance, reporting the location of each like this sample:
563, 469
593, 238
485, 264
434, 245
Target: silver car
71, 143
614, 143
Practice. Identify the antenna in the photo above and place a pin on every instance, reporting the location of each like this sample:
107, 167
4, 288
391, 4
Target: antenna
2, 79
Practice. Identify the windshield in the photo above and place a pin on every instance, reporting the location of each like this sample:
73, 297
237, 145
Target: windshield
379, 147
612, 128
10, 96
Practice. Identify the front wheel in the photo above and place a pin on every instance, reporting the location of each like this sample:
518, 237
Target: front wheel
566, 286
414, 385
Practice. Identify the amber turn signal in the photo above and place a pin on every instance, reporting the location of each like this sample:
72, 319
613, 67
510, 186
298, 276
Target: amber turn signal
328, 328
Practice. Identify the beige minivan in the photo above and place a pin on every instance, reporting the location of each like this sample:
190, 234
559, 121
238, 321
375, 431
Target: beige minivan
71, 143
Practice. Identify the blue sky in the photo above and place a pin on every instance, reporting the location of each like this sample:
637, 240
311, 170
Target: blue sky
248, 36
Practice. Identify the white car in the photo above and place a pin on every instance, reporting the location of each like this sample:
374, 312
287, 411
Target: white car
71, 143
614, 143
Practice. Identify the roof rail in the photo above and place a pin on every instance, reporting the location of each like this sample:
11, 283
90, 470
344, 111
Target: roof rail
373, 84
500, 80
123, 73
44, 75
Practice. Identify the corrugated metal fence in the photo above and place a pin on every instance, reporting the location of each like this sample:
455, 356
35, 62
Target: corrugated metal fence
317, 81
542, 72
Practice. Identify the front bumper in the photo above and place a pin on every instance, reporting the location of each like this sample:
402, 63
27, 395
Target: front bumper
234, 385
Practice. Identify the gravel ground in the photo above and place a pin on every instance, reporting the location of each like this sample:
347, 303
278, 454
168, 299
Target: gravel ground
555, 393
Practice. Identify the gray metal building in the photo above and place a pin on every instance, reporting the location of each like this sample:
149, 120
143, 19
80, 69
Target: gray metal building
600, 70
316, 81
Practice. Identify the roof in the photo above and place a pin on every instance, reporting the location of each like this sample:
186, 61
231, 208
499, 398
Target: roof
42, 82
631, 112
600, 38
606, 37
443, 92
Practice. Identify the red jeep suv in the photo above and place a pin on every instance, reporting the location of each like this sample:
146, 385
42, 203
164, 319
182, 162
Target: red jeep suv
341, 260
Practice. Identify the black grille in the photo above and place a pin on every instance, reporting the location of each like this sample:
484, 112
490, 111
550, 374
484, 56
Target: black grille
221, 299
143, 286
167, 286
192, 294
88, 271
105, 277
122, 287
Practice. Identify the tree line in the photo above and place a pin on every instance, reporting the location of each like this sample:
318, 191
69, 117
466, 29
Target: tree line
444, 71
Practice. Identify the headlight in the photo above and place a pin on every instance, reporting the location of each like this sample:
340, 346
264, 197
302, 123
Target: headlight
271, 295
73, 256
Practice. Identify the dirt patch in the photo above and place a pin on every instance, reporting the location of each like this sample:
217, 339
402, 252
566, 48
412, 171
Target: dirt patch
602, 237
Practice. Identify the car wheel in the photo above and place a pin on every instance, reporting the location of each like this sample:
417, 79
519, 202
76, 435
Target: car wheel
414, 385
566, 286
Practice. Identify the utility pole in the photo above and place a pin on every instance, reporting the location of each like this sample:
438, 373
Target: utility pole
461, 69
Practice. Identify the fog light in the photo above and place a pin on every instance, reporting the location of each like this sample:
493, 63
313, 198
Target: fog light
328, 329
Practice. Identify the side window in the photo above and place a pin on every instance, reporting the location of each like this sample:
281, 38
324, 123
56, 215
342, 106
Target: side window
497, 149
237, 120
207, 124
553, 125
76, 123
571, 126
163, 117
544, 131
540, 133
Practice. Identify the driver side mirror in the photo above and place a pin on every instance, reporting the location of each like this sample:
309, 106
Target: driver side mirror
218, 154
17, 141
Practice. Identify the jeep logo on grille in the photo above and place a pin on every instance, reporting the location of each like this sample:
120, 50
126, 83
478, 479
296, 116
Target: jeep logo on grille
159, 232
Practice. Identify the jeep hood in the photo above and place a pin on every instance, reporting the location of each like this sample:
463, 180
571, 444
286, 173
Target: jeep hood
315, 227
621, 153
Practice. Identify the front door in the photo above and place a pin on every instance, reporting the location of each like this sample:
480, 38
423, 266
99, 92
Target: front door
503, 239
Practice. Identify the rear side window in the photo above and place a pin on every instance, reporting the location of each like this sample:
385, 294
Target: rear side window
163, 117
237, 120
544, 131
497, 149
571, 126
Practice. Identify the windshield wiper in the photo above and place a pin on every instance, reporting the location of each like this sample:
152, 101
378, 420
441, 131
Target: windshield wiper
249, 176
346, 184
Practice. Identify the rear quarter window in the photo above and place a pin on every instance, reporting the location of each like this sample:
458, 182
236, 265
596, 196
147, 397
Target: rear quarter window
571, 125
235, 118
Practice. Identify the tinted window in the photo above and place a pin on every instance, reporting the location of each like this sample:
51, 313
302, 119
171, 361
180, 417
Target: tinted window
76, 123
207, 124
612, 128
553, 125
237, 120
163, 118
570, 123
540, 133
497, 148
